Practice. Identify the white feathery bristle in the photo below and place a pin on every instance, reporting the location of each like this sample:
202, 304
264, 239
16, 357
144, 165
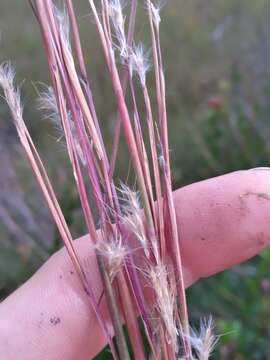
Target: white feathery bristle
12, 95
64, 32
114, 252
47, 103
165, 297
64, 26
204, 340
134, 216
118, 21
78, 147
7, 75
139, 62
155, 11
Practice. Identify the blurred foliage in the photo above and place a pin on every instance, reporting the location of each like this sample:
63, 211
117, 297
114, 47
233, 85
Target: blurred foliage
239, 301
217, 64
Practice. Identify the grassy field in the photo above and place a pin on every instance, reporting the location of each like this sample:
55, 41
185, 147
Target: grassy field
217, 61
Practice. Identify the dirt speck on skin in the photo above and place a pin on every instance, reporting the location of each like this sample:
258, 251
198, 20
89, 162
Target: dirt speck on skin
55, 320
264, 196
40, 323
261, 242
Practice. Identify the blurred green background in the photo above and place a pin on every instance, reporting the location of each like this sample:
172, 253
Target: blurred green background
217, 64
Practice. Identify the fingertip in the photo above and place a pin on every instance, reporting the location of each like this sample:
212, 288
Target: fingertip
224, 220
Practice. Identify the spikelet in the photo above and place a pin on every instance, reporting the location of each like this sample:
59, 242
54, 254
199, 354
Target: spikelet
155, 9
165, 302
204, 340
47, 103
118, 22
64, 26
134, 216
139, 62
12, 96
114, 252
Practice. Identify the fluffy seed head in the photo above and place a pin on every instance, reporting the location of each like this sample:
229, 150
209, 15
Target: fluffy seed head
7, 75
12, 95
203, 341
139, 62
47, 103
62, 21
114, 252
64, 26
155, 11
118, 21
134, 215
165, 302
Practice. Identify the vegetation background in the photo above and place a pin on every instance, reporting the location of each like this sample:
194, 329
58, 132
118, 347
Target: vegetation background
217, 63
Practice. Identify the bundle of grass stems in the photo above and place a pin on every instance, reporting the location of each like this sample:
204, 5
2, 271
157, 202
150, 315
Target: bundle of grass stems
137, 243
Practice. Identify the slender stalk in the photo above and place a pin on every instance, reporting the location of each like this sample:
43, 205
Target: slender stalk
13, 100
124, 80
171, 218
122, 108
111, 300
131, 321
155, 162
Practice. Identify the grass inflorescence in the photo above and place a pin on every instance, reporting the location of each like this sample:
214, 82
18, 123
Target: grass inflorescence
138, 239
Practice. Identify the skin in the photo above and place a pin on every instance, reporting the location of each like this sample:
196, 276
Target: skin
222, 222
